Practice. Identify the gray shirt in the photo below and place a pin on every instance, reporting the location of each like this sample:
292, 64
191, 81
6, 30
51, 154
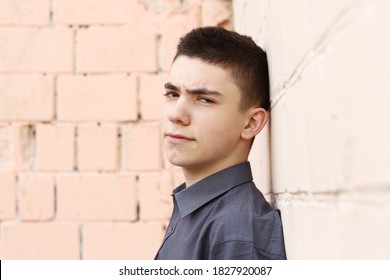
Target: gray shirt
223, 216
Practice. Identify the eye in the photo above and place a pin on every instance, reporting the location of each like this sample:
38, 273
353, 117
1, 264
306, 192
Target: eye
205, 100
171, 94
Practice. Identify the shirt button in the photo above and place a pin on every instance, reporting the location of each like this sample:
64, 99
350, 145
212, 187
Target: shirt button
170, 230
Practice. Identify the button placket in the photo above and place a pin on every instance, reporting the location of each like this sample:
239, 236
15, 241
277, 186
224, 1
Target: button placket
170, 229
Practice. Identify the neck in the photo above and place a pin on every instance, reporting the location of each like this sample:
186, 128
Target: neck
194, 174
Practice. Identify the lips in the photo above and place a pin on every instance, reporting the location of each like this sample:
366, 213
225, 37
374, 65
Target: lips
178, 138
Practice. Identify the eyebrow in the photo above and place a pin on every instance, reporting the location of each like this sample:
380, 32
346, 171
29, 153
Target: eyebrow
201, 90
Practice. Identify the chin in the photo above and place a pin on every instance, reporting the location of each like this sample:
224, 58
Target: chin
175, 161
181, 162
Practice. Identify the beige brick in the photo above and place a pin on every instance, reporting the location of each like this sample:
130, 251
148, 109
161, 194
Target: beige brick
323, 149
7, 196
363, 150
318, 228
96, 11
168, 49
36, 50
35, 12
317, 141
120, 49
55, 147
195, 2
299, 23
97, 98
16, 147
289, 146
151, 91
40, 241
154, 196
175, 171
323, 17
36, 197
6, 145
138, 14
173, 17
172, 26
312, 24
164, 6
25, 97
97, 148
122, 241
305, 238
274, 34
217, 13
141, 146
100, 197
250, 18
178, 176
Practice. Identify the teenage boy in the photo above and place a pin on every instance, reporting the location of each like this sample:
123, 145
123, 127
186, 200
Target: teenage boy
217, 101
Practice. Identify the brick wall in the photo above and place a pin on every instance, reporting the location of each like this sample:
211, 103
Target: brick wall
82, 175
329, 149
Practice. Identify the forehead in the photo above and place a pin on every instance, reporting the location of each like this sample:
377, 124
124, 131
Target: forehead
190, 73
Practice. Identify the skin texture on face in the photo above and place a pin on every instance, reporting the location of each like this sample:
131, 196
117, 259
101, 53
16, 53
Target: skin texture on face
203, 129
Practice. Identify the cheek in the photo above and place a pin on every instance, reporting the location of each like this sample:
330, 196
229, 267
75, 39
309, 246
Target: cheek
219, 133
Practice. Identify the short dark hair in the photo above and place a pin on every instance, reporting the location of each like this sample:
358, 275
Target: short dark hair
237, 53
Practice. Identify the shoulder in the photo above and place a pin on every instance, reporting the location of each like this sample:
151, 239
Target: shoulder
244, 199
245, 219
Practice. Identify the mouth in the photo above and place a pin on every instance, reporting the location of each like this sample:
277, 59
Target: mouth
178, 138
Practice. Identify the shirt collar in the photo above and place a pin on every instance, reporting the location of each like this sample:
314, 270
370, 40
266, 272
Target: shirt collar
191, 198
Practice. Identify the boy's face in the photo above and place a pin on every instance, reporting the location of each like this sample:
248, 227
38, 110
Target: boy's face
202, 123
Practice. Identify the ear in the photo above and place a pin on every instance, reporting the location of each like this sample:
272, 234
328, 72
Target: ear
254, 123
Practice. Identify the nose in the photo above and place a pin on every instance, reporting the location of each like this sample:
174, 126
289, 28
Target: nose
178, 112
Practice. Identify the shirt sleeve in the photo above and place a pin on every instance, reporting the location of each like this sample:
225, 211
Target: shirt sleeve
256, 238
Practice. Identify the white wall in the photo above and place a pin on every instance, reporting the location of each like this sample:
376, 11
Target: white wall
328, 143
